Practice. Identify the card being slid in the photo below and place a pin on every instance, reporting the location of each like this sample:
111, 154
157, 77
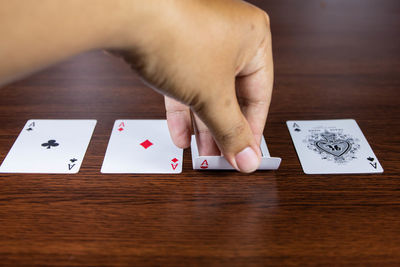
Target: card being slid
142, 146
49, 146
332, 146
220, 163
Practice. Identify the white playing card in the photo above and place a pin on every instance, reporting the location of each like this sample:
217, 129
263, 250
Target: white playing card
332, 146
49, 146
142, 146
220, 163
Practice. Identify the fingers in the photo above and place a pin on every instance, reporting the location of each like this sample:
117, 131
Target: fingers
254, 88
179, 122
204, 139
230, 129
236, 129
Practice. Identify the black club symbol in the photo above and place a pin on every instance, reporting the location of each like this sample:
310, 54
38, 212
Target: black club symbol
73, 160
50, 144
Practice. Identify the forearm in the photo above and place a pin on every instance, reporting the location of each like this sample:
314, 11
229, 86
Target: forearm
35, 34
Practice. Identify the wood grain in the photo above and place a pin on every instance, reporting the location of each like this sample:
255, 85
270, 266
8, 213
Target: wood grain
333, 59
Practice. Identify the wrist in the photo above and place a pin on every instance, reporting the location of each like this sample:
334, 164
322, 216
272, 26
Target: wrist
131, 23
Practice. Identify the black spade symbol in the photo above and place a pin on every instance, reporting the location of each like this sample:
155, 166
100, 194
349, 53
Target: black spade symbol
370, 158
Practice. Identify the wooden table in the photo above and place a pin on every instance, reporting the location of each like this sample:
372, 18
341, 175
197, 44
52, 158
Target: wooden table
333, 59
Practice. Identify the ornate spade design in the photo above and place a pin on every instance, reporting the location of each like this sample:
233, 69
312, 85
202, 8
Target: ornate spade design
333, 146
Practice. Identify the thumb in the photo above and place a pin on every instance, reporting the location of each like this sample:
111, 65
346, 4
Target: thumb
221, 113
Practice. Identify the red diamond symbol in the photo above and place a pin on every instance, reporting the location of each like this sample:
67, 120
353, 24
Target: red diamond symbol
174, 160
120, 129
146, 144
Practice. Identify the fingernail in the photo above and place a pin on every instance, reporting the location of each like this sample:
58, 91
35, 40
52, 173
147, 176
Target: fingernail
247, 160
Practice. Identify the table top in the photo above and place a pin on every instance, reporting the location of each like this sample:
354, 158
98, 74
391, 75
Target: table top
333, 60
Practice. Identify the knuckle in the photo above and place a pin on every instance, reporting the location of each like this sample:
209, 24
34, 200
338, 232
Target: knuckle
252, 102
266, 19
176, 113
204, 132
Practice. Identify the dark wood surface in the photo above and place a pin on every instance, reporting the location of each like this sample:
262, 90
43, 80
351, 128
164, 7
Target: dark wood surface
333, 59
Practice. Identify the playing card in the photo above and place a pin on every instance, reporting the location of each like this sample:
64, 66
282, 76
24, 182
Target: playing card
49, 146
332, 146
142, 146
220, 163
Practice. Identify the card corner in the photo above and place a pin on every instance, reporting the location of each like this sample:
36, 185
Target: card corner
352, 120
307, 171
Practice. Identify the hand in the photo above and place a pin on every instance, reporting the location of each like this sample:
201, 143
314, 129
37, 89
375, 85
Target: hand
213, 58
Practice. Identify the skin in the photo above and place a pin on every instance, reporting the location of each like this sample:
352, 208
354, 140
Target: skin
211, 59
